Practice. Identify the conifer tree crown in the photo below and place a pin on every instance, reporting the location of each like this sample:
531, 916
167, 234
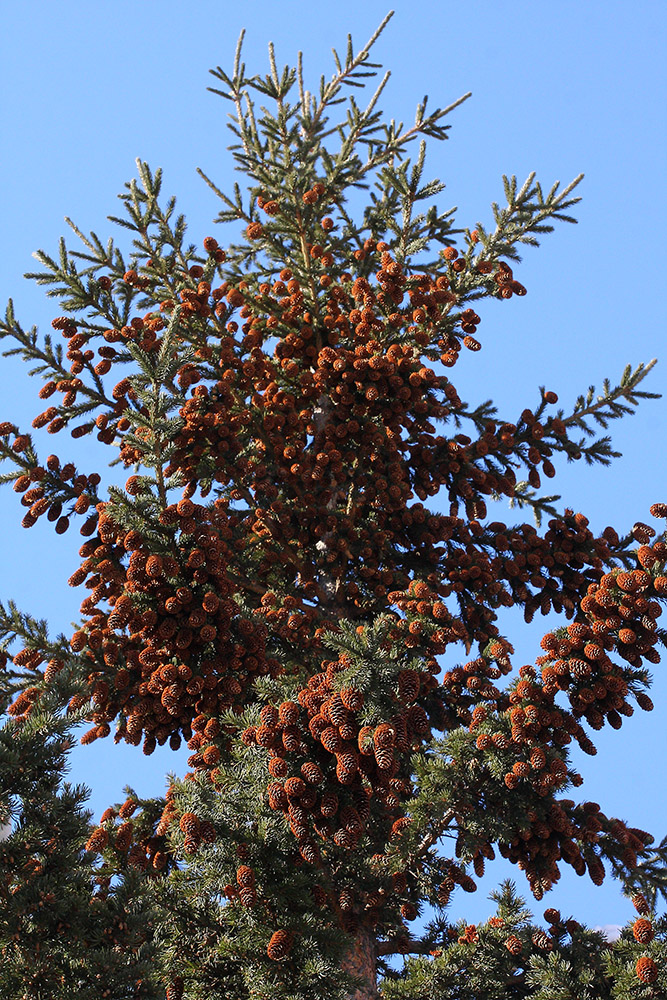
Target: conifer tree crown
277, 585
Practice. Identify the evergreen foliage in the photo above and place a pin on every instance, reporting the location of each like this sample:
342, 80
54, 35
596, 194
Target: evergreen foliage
267, 588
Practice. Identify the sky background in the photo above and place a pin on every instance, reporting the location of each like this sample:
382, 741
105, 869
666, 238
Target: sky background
559, 89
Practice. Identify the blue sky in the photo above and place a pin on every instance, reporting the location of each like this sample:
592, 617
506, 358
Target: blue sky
558, 89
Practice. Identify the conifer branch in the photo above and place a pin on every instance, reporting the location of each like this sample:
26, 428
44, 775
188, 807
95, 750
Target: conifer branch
607, 406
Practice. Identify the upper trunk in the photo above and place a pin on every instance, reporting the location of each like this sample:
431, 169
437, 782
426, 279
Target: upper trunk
361, 962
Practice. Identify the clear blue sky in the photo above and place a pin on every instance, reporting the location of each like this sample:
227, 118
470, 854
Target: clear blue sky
557, 88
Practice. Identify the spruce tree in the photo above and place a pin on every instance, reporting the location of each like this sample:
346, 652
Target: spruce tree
277, 585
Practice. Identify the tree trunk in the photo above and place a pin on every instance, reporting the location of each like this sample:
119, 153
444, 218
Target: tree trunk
361, 962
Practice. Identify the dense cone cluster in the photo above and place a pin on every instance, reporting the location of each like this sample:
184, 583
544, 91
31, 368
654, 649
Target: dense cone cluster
135, 835
178, 641
347, 763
